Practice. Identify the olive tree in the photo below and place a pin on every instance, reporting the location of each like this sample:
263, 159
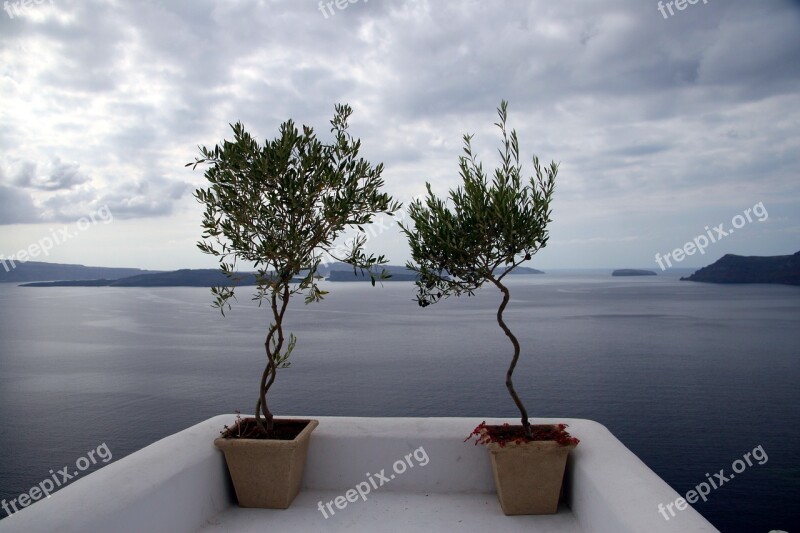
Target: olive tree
279, 207
486, 228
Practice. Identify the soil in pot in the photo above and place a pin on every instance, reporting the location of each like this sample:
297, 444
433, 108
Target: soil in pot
247, 428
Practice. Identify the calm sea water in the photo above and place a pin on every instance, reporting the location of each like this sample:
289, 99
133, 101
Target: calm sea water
689, 376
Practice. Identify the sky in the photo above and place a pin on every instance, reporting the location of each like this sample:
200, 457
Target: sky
671, 126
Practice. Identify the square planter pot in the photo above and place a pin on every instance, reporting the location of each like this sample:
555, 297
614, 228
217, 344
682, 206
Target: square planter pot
528, 476
267, 473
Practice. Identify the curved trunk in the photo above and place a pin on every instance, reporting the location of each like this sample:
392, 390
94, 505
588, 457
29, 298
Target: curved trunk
268, 376
526, 425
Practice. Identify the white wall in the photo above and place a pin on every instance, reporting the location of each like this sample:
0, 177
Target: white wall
178, 483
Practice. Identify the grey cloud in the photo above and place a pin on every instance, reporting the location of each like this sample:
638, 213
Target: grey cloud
153, 197
755, 63
633, 104
639, 150
16, 207
53, 175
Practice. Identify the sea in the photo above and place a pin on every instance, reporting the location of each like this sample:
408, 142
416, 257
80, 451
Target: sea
691, 377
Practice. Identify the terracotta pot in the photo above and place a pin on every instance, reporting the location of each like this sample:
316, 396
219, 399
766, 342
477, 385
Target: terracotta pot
528, 476
267, 473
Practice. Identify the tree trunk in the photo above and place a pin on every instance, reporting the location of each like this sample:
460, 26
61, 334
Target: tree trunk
268, 376
526, 425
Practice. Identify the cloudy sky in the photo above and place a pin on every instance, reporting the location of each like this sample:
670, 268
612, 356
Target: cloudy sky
663, 124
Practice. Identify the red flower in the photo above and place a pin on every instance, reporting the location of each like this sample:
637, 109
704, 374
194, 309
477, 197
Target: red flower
506, 433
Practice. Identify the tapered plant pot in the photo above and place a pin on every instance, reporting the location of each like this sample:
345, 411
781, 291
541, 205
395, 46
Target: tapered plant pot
528, 475
267, 473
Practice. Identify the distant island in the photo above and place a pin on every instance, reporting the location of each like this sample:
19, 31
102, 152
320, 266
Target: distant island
17, 271
633, 272
66, 275
348, 275
62, 275
783, 269
398, 273
344, 272
520, 270
178, 278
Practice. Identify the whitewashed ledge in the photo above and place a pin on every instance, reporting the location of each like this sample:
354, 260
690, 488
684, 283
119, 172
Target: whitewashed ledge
181, 484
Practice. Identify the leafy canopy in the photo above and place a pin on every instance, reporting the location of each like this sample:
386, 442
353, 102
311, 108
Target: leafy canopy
282, 205
497, 222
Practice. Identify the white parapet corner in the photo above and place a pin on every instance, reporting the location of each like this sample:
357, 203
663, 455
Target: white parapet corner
181, 482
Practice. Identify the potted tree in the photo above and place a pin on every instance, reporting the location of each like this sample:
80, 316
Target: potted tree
497, 222
280, 207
